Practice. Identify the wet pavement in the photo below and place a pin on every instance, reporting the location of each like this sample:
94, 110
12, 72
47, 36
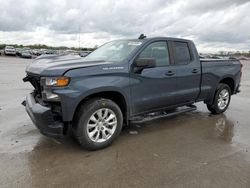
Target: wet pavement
194, 149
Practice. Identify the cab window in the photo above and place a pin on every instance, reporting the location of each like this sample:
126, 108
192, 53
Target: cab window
158, 51
182, 53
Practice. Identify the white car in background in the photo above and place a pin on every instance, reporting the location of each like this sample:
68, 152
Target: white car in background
9, 50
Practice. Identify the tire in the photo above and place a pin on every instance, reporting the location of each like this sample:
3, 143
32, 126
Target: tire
222, 91
93, 129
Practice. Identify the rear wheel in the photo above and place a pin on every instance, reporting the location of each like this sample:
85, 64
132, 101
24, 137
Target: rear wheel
99, 122
221, 99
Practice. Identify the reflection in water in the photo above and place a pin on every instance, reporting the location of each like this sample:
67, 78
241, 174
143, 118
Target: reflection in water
224, 128
51, 159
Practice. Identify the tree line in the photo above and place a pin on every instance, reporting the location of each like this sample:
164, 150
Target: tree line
43, 46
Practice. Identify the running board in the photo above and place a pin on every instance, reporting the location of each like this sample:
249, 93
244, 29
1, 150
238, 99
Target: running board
162, 114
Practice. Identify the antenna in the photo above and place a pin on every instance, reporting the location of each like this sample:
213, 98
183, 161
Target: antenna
142, 36
79, 37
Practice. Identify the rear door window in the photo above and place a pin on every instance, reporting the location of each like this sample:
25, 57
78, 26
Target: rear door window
182, 52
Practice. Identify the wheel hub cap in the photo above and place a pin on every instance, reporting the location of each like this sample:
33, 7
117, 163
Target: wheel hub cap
101, 125
223, 99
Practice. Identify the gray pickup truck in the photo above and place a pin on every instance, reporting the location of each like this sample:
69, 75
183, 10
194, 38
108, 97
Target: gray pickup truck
125, 81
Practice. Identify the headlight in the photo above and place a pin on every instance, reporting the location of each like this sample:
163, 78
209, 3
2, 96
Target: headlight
48, 82
55, 81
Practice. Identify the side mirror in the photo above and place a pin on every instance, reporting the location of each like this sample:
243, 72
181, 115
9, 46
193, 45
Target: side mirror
144, 63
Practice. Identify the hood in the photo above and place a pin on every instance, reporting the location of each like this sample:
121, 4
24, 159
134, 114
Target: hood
57, 65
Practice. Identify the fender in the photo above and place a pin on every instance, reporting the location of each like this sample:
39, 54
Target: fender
72, 100
228, 76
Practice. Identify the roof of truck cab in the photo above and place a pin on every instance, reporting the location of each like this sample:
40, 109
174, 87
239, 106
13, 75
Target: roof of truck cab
164, 38
154, 38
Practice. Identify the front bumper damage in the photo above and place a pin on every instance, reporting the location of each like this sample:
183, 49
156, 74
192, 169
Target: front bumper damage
43, 117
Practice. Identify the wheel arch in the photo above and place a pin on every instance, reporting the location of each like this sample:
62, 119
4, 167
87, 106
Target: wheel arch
117, 96
230, 82
225, 80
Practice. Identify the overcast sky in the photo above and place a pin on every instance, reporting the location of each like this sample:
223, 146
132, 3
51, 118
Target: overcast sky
213, 24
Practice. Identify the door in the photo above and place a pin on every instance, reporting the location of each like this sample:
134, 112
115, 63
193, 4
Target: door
154, 88
188, 72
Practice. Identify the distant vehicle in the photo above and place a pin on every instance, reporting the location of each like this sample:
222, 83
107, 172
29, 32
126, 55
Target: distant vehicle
49, 52
39, 52
9, 50
26, 54
34, 52
18, 51
71, 52
84, 53
26, 48
125, 81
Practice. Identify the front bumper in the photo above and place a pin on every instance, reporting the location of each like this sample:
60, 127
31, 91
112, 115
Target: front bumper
10, 53
43, 118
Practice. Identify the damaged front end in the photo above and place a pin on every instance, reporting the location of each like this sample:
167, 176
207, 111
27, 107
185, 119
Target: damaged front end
46, 115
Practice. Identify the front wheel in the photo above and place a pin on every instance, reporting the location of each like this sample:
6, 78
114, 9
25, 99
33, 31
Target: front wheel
99, 122
221, 99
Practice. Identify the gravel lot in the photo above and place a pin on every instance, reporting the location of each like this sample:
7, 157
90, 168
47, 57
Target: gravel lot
194, 149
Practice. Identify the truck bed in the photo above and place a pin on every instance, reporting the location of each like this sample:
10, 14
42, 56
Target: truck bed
218, 60
214, 70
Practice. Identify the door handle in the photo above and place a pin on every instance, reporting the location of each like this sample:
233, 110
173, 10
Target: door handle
169, 73
195, 71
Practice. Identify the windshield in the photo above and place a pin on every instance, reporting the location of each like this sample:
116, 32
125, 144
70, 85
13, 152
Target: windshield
114, 51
